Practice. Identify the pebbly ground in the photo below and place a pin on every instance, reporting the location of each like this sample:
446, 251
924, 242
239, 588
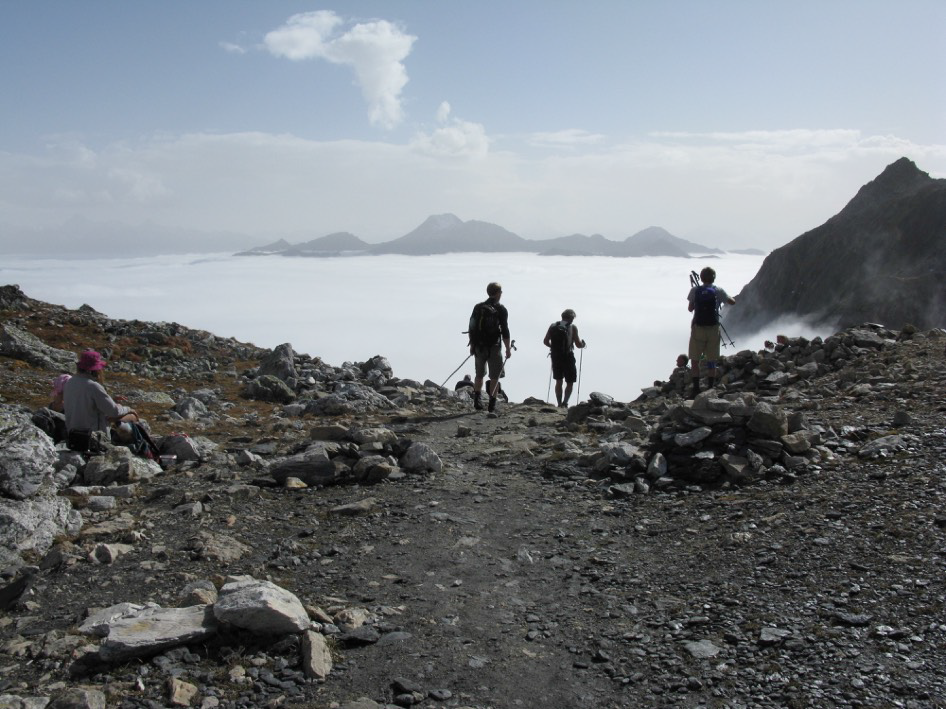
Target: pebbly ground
510, 579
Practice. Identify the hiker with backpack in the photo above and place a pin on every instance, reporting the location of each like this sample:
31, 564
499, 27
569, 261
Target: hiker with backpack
489, 331
561, 338
704, 302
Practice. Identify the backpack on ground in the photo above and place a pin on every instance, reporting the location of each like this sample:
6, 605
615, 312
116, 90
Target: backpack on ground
705, 306
485, 329
560, 336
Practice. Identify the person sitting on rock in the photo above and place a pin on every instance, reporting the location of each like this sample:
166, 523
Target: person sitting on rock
465, 383
50, 418
88, 407
680, 378
56, 403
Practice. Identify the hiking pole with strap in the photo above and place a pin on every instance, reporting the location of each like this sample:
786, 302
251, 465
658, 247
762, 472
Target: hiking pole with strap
492, 394
455, 370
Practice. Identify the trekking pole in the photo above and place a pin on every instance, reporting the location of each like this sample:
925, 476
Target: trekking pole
722, 330
455, 370
548, 392
492, 394
581, 360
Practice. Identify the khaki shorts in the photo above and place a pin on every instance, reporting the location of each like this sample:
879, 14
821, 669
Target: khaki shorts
704, 340
491, 357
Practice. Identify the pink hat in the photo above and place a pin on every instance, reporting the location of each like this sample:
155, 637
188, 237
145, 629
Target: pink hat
91, 361
58, 383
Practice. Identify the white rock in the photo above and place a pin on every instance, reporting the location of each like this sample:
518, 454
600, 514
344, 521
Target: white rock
261, 607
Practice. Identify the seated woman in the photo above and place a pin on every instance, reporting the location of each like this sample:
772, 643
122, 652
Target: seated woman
50, 418
56, 403
88, 407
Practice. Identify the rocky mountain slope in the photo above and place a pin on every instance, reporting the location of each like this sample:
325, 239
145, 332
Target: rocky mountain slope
333, 536
882, 258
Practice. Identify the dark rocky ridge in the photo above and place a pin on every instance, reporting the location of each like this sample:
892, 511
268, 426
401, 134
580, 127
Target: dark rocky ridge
882, 258
776, 543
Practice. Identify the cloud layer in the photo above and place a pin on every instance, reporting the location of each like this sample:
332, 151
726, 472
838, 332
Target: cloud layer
635, 326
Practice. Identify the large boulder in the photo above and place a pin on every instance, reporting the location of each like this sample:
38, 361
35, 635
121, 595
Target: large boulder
268, 388
28, 455
349, 398
20, 344
190, 408
261, 607
280, 363
118, 465
768, 420
313, 467
32, 525
421, 458
182, 446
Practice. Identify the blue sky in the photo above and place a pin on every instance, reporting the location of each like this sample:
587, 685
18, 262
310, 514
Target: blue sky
728, 123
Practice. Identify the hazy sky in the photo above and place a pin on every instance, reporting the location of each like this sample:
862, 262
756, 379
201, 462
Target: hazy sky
730, 123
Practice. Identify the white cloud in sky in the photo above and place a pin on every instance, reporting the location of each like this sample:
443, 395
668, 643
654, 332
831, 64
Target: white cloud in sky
453, 137
566, 138
374, 50
232, 48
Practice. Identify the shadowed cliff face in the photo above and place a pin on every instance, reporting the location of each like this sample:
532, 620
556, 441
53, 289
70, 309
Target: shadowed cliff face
881, 259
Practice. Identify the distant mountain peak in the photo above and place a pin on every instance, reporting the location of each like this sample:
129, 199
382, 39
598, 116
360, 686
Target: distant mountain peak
441, 221
898, 178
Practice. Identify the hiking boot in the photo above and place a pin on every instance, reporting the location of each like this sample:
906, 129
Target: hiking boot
477, 404
695, 390
492, 404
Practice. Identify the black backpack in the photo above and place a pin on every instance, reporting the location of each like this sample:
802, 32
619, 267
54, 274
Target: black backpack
705, 310
485, 328
560, 332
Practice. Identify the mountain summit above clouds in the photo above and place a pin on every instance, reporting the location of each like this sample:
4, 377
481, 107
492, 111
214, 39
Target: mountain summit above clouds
880, 259
447, 233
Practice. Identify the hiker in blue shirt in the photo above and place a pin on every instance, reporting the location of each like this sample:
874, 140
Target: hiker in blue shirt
704, 302
561, 338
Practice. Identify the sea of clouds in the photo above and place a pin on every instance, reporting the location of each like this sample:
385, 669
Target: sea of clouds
631, 311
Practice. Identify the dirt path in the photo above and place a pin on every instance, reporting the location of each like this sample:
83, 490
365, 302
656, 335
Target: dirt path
491, 564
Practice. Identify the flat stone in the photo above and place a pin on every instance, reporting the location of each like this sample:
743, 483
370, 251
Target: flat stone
316, 657
154, 629
701, 649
